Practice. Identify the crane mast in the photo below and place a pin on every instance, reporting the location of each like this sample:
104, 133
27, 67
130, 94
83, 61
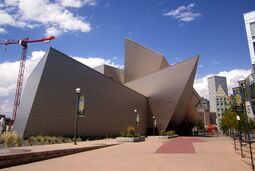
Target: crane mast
23, 43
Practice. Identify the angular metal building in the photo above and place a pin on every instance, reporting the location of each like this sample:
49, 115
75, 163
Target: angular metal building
147, 83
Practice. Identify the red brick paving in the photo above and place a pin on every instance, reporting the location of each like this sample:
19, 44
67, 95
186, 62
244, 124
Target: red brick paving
179, 145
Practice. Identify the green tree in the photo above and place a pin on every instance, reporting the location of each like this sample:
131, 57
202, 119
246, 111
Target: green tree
229, 122
200, 125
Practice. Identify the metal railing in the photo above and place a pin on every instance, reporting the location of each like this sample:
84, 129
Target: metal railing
247, 138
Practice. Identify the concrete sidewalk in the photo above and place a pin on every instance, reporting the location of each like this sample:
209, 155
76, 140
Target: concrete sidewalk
215, 154
27, 154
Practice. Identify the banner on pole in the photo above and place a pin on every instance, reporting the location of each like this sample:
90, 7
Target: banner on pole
238, 97
81, 110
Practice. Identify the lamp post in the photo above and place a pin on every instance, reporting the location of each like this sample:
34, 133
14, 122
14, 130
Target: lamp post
137, 119
240, 134
77, 91
154, 124
242, 84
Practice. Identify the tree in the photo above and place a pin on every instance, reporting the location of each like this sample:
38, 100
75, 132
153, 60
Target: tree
229, 121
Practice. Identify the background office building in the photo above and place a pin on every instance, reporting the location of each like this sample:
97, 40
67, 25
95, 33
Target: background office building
218, 92
249, 19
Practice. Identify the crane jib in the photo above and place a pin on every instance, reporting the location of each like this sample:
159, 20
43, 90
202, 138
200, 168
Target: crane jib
23, 43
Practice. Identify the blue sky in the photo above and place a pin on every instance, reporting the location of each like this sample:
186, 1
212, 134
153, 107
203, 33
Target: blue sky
218, 34
179, 29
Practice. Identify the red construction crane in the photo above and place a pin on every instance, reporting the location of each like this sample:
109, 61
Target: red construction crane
23, 43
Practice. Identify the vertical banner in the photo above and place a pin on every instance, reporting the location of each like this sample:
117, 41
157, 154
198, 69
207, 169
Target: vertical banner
238, 97
81, 110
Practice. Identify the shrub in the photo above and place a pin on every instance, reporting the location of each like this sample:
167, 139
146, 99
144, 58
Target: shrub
45, 139
171, 132
167, 133
162, 132
40, 139
79, 139
19, 141
11, 139
123, 134
131, 131
1, 140
31, 140
50, 140
58, 140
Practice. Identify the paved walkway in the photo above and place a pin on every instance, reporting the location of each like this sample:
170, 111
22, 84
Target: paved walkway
179, 145
215, 154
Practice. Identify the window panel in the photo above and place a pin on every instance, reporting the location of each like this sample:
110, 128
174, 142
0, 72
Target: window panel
252, 26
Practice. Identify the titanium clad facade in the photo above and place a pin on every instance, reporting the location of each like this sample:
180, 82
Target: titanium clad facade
147, 83
141, 61
169, 91
109, 105
113, 73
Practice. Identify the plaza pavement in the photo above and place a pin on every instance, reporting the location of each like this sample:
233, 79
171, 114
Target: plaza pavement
211, 154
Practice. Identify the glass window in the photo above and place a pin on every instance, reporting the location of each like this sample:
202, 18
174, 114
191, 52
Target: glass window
254, 47
252, 26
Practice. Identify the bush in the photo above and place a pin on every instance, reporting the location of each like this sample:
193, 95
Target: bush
167, 133
45, 139
40, 139
31, 140
1, 140
162, 132
19, 141
129, 133
79, 139
11, 139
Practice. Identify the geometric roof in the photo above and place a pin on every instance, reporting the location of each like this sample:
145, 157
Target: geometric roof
169, 91
141, 61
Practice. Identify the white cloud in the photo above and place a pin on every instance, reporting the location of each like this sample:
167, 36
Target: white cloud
11, 2
183, 13
5, 105
232, 76
2, 31
107, 5
54, 16
77, 3
200, 65
53, 31
9, 73
94, 62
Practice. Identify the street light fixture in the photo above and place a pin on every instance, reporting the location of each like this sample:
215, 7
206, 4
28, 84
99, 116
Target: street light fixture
137, 119
77, 91
154, 124
240, 134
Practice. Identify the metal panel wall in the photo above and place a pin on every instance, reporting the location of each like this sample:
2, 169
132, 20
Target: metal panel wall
109, 105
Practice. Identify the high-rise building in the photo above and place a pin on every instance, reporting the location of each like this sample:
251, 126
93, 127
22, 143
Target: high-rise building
249, 19
218, 92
